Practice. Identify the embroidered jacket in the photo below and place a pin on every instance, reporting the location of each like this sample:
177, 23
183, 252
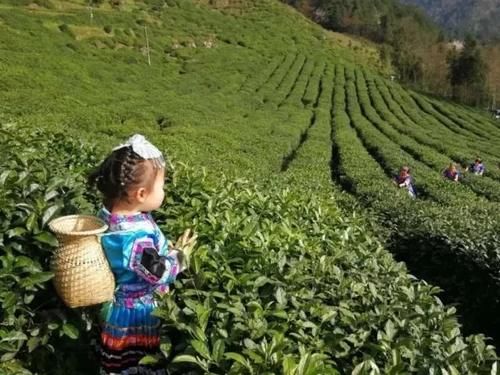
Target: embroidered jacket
138, 254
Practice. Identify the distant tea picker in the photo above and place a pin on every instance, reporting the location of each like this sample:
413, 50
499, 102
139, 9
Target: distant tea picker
477, 167
452, 173
405, 180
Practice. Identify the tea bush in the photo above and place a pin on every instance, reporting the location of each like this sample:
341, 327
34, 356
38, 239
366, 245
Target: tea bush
450, 235
281, 282
41, 178
282, 276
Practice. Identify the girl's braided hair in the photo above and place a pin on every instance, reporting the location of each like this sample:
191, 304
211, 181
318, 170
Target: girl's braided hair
122, 170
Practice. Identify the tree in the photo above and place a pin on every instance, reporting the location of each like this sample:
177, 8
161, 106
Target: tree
407, 40
467, 73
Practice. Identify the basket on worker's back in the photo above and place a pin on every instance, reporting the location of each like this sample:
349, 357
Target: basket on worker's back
82, 273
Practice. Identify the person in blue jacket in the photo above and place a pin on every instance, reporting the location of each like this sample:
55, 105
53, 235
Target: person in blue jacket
477, 167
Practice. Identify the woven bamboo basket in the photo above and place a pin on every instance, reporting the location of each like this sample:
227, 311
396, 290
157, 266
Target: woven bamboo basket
82, 273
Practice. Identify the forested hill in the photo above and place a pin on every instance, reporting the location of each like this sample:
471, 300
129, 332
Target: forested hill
404, 33
479, 17
378, 20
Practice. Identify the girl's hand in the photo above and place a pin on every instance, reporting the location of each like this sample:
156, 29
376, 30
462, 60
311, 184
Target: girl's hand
186, 243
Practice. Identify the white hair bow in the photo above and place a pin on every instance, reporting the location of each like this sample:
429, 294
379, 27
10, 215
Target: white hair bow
145, 149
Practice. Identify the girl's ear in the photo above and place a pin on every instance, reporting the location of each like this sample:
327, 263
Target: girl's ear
141, 195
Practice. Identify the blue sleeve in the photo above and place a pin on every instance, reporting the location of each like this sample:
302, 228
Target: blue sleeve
138, 252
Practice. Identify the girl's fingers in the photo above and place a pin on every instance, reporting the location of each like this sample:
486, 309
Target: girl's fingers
179, 242
185, 236
187, 239
192, 240
182, 239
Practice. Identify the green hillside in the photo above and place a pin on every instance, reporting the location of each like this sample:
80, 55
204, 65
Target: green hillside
64, 71
284, 128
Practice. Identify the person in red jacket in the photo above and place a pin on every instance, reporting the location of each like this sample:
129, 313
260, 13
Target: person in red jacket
405, 180
451, 173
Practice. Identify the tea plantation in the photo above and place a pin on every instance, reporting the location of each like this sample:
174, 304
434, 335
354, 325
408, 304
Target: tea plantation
276, 129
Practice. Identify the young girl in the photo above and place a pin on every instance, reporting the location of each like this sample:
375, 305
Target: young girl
131, 180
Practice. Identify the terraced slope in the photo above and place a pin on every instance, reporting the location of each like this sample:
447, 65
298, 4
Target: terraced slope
215, 73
